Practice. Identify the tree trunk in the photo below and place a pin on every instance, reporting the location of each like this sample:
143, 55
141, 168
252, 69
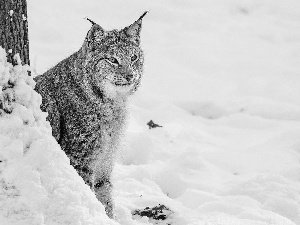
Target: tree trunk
14, 29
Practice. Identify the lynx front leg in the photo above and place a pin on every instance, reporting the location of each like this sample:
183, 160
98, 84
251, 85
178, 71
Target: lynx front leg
103, 189
100, 183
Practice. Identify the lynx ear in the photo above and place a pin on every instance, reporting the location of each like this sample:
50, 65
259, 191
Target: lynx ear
94, 35
133, 31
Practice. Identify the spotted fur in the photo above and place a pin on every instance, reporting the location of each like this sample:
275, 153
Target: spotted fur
85, 96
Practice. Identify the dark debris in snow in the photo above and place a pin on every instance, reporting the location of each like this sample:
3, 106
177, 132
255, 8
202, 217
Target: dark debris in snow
156, 213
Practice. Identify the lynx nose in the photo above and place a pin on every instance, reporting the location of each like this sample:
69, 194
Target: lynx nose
127, 73
129, 77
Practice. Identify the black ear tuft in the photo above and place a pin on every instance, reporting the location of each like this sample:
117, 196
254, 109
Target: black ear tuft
133, 31
92, 22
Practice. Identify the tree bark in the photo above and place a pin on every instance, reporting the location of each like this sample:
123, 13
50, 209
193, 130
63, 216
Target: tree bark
14, 29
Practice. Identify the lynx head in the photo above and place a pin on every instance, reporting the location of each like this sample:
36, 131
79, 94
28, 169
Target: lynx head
114, 59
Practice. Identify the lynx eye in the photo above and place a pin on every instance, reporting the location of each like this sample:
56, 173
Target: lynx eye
113, 60
133, 58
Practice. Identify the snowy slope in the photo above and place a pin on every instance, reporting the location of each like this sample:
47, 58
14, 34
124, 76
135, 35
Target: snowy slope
37, 183
222, 78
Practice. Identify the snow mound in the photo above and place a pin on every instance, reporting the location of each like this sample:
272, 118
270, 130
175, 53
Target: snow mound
37, 183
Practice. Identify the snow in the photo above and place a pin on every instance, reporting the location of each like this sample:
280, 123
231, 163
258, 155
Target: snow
221, 77
24, 17
37, 182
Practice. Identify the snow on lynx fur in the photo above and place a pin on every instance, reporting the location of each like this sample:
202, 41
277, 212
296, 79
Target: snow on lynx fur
85, 96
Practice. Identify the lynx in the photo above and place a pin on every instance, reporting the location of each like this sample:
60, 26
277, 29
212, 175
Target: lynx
85, 96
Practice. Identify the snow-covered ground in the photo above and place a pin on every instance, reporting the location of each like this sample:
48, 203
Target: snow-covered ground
223, 79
